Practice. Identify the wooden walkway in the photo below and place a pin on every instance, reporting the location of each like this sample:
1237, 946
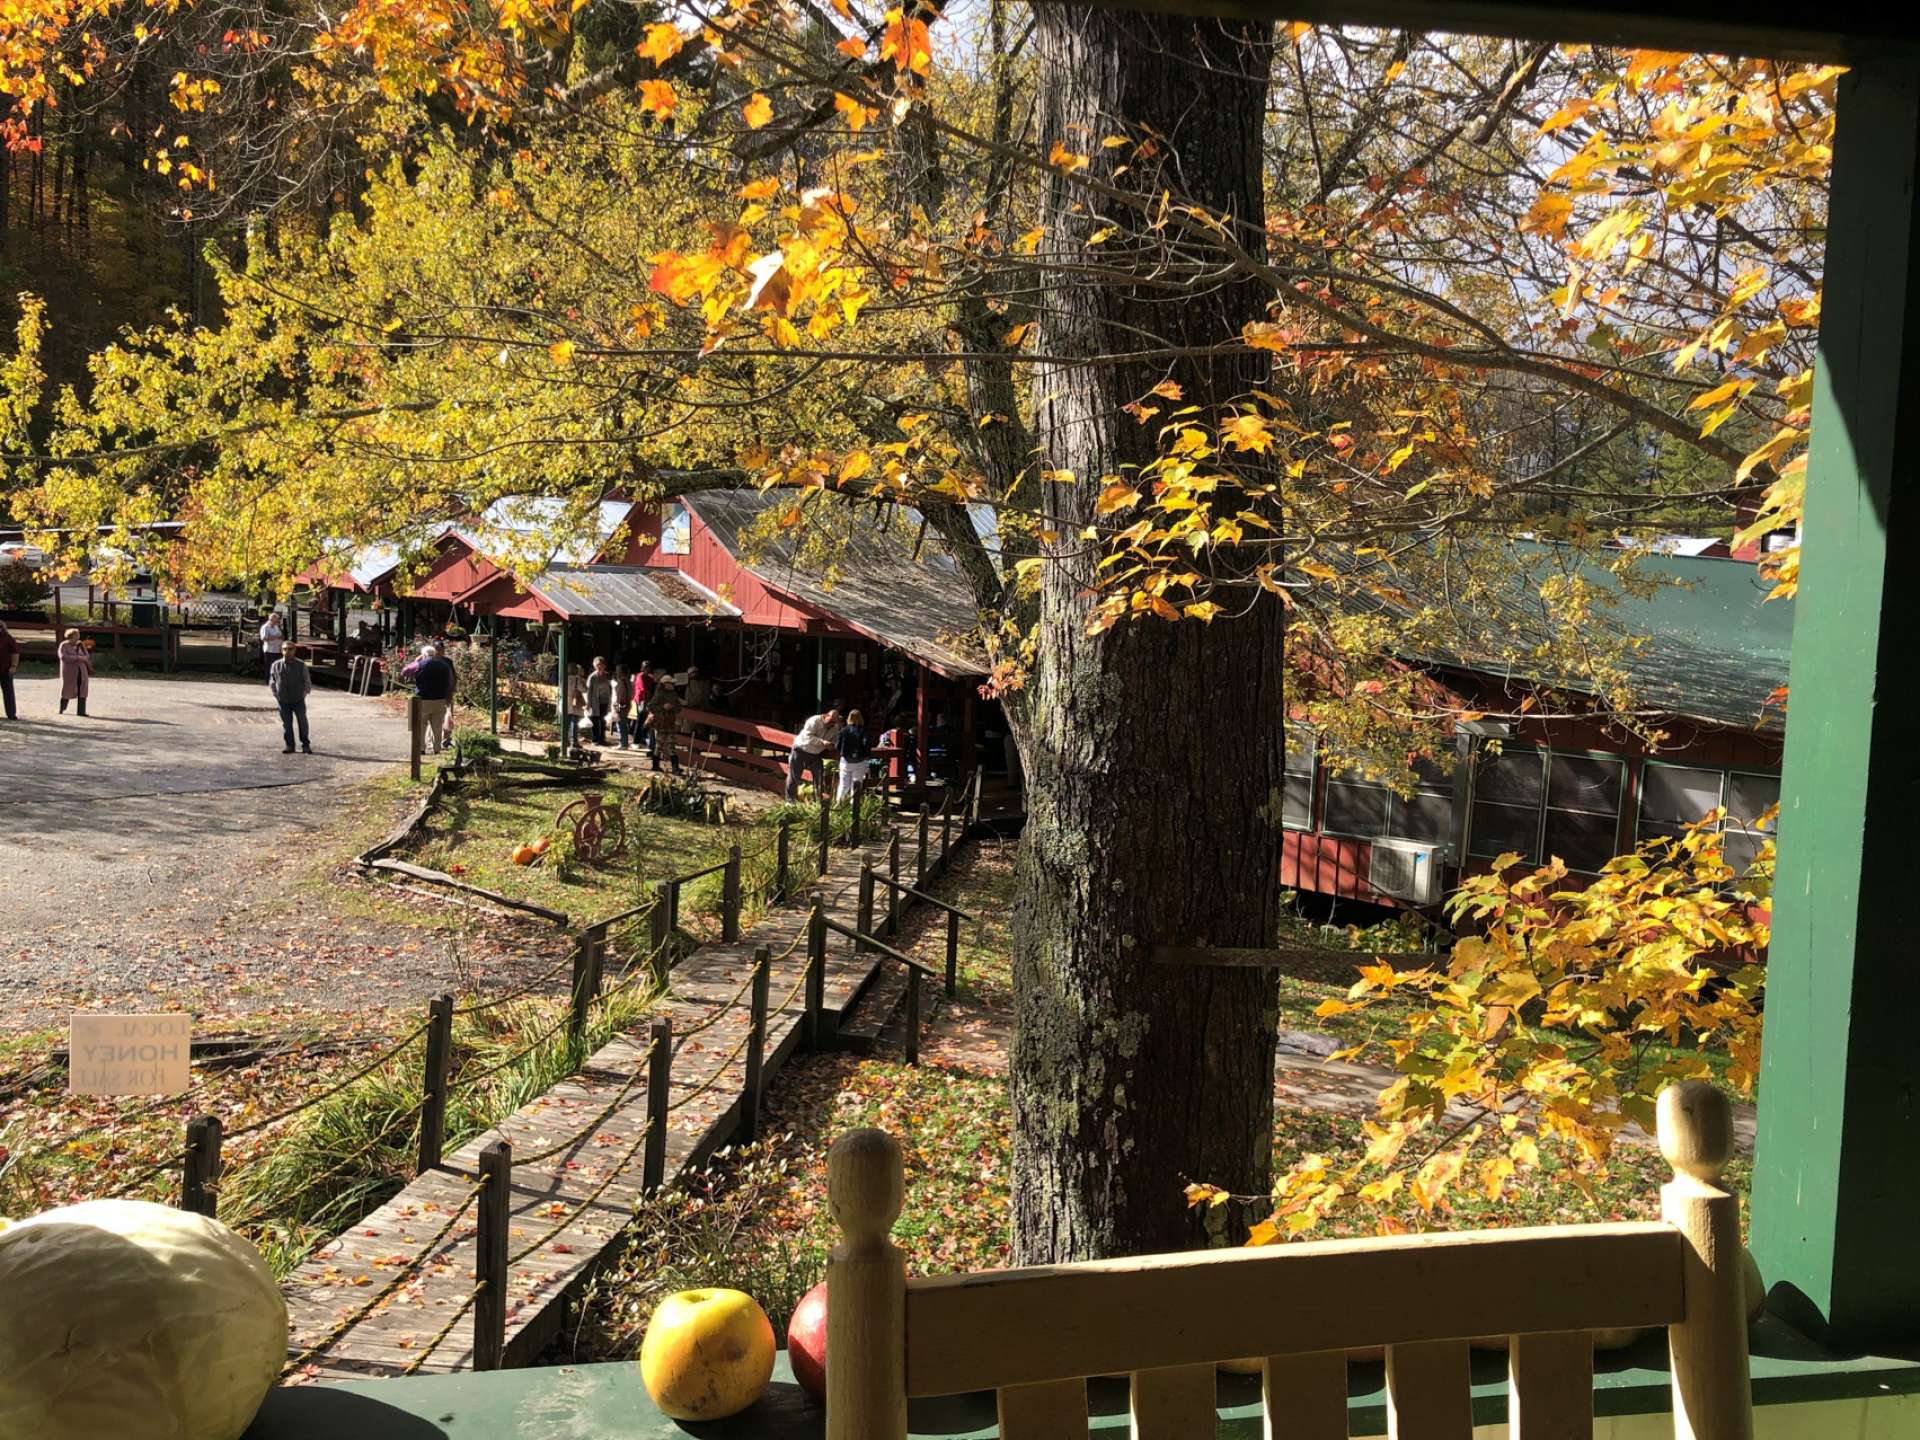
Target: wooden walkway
569, 1208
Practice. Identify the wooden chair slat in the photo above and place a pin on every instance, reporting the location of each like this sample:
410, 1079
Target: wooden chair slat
1174, 1403
1429, 1391
1305, 1396
1550, 1396
1053, 1410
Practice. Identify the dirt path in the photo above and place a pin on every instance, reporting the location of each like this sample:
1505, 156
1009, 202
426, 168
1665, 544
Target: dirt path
164, 849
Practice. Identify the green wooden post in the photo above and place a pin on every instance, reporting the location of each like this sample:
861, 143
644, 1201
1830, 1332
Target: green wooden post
1837, 1167
493, 673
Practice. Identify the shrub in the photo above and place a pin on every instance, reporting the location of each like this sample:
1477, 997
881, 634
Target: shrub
22, 587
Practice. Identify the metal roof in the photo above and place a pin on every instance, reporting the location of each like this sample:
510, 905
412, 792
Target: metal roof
923, 608
624, 592
1716, 648
517, 528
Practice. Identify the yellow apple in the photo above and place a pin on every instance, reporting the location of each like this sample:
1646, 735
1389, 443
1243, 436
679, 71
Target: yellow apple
707, 1354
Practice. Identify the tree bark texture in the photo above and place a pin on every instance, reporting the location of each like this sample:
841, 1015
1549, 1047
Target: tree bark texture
1153, 750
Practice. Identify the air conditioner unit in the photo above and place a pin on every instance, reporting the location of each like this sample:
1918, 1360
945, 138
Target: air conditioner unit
1407, 870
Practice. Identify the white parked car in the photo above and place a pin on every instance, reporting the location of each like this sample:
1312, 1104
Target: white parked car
18, 550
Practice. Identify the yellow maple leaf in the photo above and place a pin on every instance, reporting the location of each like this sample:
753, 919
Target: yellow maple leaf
657, 98
662, 43
852, 47
857, 114
561, 352
757, 111
1064, 160
906, 43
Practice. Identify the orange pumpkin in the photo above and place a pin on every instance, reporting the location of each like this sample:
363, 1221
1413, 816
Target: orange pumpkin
524, 854
540, 845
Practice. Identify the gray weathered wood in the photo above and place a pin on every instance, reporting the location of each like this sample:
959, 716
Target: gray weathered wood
200, 1171
496, 1216
433, 1101
659, 1095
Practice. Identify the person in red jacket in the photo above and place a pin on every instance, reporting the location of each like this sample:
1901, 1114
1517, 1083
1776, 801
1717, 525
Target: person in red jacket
645, 686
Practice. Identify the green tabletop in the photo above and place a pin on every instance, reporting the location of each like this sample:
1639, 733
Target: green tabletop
608, 1402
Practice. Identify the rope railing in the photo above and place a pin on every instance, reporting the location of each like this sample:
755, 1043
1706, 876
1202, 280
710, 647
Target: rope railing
334, 1089
591, 1196
606, 1113
373, 1302
412, 1367
494, 1002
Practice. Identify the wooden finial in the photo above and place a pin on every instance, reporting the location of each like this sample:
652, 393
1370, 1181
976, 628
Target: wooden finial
866, 1184
1696, 1129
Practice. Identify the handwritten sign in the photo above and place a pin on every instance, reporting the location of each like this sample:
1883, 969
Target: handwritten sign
129, 1055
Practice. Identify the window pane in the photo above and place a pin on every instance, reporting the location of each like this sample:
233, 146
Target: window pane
1677, 794
1584, 782
1299, 753
676, 531
1500, 828
1581, 838
1359, 810
1738, 849
1510, 778
1430, 775
1749, 797
1425, 817
1296, 802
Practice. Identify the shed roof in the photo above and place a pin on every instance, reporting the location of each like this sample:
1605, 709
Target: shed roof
624, 592
517, 527
1716, 648
922, 608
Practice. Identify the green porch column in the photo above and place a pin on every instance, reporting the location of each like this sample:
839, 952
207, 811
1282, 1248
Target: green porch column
1838, 1167
493, 674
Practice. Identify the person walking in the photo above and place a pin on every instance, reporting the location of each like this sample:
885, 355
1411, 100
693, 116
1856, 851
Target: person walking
699, 690
663, 724
599, 698
291, 682
273, 641
623, 705
9, 662
856, 754
808, 755
573, 707
76, 671
645, 686
433, 681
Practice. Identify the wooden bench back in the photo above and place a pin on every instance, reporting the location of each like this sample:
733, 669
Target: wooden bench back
1035, 1334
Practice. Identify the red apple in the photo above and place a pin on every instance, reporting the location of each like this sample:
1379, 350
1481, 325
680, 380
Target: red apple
807, 1341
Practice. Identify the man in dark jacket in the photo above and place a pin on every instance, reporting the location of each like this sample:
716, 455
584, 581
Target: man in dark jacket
9, 662
291, 683
433, 683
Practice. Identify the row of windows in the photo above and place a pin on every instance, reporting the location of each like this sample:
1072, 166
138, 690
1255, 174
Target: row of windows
1535, 803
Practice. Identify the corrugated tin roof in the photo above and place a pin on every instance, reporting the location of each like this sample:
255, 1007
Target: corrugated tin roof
516, 527
1717, 647
922, 608
372, 563
623, 592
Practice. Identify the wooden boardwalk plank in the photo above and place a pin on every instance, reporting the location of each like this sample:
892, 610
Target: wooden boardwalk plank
569, 1209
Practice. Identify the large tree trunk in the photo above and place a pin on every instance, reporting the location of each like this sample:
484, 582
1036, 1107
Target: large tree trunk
1154, 750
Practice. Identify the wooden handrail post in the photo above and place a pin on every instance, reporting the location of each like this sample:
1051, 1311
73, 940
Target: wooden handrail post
756, 1045
490, 1259
673, 907
866, 1291
660, 931
653, 1170
979, 787
853, 815
200, 1172
582, 993
893, 890
946, 831
433, 1102
1708, 1349
416, 727
863, 918
826, 825
730, 897
816, 972
913, 1015
920, 858
953, 953
781, 853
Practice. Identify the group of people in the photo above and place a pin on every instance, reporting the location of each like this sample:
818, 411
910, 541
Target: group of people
845, 733
641, 707
76, 671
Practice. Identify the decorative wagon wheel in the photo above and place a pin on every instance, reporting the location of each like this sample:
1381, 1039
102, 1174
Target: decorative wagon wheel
599, 829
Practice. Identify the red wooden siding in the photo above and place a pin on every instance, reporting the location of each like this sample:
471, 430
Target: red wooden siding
708, 564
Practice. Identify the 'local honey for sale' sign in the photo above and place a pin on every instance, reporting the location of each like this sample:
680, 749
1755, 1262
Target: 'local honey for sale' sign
129, 1055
